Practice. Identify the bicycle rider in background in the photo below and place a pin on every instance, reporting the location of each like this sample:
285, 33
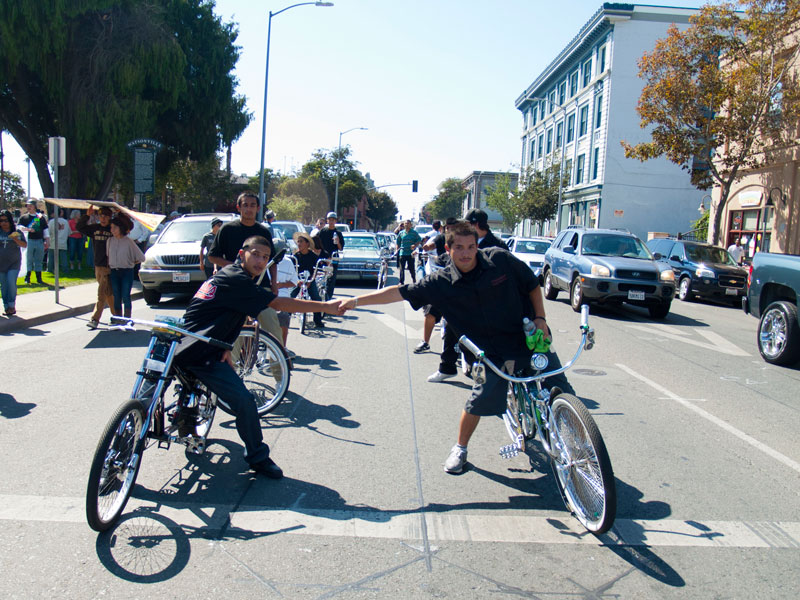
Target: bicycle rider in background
218, 310
307, 256
483, 294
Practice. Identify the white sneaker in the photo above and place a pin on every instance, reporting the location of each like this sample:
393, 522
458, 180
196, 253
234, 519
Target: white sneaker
456, 460
92, 324
439, 376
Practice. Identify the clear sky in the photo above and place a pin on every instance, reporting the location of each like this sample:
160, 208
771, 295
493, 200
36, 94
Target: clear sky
434, 81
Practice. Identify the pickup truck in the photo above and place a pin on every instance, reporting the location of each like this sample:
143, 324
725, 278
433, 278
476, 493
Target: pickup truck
772, 297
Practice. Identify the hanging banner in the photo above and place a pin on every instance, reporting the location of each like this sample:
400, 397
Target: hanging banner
149, 220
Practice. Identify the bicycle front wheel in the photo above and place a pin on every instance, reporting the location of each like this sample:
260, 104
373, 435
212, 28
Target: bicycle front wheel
581, 464
115, 466
261, 363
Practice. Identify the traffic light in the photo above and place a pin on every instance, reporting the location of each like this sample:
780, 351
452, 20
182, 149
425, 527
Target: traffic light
414, 186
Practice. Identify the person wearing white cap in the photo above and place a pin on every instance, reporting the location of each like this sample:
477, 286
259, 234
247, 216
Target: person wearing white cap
332, 241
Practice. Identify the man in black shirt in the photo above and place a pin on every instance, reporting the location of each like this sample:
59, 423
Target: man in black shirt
218, 310
483, 294
332, 241
99, 233
35, 225
228, 242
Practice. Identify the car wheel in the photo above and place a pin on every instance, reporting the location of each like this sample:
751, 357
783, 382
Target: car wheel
576, 294
779, 334
152, 297
659, 311
685, 289
550, 290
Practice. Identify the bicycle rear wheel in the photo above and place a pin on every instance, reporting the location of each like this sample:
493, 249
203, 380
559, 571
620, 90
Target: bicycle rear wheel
115, 466
581, 464
263, 368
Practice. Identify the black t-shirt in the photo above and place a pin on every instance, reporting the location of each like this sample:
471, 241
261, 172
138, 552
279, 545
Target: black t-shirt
99, 236
37, 224
487, 304
326, 239
490, 240
306, 262
232, 235
438, 240
218, 310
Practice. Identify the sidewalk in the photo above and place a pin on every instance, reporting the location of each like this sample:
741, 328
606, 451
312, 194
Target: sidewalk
38, 308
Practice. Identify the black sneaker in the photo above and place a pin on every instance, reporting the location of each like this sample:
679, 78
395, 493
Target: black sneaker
268, 468
422, 347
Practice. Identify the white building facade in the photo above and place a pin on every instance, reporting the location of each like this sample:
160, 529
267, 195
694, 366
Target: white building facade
579, 109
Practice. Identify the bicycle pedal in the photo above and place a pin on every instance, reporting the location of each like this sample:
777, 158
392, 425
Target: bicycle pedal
509, 451
195, 445
163, 444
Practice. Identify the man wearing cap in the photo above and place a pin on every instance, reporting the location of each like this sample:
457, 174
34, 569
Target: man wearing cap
205, 245
269, 217
480, 221
332, 241
35, 225
307, 257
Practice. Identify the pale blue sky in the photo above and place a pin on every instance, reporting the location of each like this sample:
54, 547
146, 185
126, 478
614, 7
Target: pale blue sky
433, 80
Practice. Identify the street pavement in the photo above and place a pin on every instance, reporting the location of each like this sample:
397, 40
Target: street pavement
701, 433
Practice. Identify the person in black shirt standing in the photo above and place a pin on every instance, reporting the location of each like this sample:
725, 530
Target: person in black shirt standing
483, 294
218, 310
332, 241
99, 233
35, 225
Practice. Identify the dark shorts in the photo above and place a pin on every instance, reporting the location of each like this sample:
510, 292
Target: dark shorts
429, 309
284, 318
490, 398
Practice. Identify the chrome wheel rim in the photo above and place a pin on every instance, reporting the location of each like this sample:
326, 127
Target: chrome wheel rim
773, 333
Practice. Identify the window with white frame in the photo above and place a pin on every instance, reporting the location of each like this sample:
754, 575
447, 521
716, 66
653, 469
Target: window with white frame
551, 104
598, 111
562, 93
549, 141
540, 150
601, 59
573, 84
579, 169
596, 163
583, 121
559, 133
570, 127
587, 71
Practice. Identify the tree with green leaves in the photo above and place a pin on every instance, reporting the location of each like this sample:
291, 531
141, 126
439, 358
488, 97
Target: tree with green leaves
504, 198
381, 209
539, 195
12, 192
309, 189
289, 208
449, 202
323, 167
103, 72
721, 98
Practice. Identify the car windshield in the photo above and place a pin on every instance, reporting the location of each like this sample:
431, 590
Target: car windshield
709, 254
288, 229
185, 231
531, 246
615, 245
360, 242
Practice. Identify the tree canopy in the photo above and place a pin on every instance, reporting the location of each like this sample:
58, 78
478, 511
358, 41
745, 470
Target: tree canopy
449, 201
103, 72
323, 167
504, 198
381, 209
722, 97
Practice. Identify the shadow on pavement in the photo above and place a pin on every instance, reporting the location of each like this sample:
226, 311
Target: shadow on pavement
11, 409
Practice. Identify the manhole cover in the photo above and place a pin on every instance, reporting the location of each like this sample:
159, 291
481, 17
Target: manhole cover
589, 372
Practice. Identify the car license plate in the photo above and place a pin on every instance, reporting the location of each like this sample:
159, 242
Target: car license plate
731, 291
635, 295
180, 277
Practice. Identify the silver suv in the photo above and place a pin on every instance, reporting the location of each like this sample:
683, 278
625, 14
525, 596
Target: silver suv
172, 263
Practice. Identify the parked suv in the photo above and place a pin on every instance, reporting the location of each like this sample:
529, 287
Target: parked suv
701, 270
607, 266
172, 263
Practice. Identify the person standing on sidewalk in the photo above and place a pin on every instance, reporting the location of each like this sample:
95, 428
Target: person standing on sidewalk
11, 241
99, 233
35, 225
58, 220
123, 255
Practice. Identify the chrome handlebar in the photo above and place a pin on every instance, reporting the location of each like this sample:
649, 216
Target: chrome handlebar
168, 327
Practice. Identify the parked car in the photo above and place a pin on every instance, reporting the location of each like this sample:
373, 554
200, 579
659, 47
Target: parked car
387, 239
423, 229
343, 227
361, 257
701, 270
773, 296
172, 263
530, 250
288, 229
607, 266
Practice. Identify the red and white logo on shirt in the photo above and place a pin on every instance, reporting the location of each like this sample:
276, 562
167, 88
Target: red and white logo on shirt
207, 291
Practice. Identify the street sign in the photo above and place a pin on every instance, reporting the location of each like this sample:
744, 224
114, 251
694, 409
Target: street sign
144, 164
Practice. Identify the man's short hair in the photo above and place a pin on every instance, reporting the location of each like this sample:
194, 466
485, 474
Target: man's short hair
244, 195
461, 228
255, 240
437, 225
104, 210
478, 217
450, 221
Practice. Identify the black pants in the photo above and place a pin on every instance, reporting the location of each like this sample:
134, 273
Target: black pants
449, 356
407, 261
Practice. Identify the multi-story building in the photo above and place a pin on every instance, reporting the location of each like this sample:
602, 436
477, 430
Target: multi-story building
579, 109
477, 185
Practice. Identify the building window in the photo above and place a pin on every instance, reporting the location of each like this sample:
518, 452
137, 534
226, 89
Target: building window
587, 72
568, 170
598, 111
551, 102
542, 113
533, 115
579, 169
573, 84
541, 146
601, 59
570, 128
549, 140
533, 148
596, 163
559, 133
562, 93
583, 123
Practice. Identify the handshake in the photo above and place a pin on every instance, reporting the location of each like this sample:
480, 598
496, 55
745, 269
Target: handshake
341, 306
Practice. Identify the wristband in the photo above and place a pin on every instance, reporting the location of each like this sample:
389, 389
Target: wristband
542, 318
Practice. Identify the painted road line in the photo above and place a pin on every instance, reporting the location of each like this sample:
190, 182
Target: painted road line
441, 526
714, 341
782, 458
398, 326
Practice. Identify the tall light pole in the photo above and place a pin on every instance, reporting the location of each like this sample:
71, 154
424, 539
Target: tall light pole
261, 197
336, 188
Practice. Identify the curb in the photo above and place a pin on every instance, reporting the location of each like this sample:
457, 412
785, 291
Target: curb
60, 311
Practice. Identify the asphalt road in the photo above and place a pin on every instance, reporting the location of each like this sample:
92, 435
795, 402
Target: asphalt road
701, 433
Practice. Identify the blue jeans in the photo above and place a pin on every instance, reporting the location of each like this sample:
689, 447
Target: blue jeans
121, 284
63, 263
8, 287
34, 256
75, 246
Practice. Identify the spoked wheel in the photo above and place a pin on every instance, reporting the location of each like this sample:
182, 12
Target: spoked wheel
581, 464
263, 367
206, 409
115, 466
519, 424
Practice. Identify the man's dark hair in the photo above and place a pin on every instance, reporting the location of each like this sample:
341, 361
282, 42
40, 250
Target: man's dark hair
104, 210
7, 214
123, 223
461, 228
248, 194
255, 240
437, 225
450, 221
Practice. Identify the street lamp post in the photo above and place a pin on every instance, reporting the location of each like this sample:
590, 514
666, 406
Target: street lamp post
261, 197
338, 168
